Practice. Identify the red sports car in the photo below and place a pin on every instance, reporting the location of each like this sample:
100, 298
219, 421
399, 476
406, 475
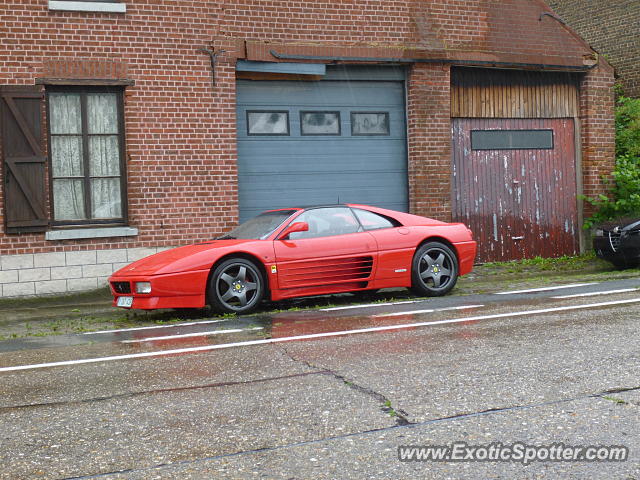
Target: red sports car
299, 252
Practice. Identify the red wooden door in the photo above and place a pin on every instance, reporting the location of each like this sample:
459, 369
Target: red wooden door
514, 185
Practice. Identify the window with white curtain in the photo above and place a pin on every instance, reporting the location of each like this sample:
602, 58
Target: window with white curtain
86, 152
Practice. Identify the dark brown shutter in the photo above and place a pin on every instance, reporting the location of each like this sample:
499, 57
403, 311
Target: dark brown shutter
23, 159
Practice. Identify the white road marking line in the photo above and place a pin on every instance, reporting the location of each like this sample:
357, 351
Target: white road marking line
369, 305
559, 287
202, 322
195, 334
590, 294
267, 341
415, 312
349, 307
410, 312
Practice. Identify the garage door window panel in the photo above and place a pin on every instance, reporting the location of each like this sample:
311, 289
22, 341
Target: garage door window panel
370, 123
512, 140
86, 156
262, 122
319, 123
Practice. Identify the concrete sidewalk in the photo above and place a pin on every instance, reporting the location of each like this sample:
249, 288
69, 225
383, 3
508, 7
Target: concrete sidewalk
17, 313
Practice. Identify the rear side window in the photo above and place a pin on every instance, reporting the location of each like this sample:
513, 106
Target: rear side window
373, 221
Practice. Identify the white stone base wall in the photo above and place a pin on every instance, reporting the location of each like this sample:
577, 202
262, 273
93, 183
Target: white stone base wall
63, 272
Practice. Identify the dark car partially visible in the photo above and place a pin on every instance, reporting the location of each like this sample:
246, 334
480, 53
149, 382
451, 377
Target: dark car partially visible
619, 242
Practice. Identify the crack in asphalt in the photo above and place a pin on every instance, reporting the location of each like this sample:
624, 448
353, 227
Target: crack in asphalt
605, 395
161, 390
354, 434
385, 403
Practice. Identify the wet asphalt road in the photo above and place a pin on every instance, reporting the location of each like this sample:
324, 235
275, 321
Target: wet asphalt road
249, 398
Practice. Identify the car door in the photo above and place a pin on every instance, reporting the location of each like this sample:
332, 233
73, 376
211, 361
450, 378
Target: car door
333, 252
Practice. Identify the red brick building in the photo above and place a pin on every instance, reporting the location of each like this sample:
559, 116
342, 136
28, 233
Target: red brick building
130, 126
612, 29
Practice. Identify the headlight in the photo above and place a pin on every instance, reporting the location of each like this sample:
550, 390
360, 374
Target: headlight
143, 287
599, 232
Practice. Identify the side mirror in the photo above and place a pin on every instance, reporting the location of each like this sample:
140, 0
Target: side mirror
293, 228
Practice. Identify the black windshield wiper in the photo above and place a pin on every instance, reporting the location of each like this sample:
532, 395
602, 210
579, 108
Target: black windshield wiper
226, 237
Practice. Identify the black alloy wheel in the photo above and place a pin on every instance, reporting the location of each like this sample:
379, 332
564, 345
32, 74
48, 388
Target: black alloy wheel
236, 286
434, 270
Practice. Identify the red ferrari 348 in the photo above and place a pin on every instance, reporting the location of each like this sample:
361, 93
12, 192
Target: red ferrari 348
299, 252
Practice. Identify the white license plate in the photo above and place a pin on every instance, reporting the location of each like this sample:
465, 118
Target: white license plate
125, 302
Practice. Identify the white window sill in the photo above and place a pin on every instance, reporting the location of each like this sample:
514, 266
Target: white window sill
79, 6
81, 233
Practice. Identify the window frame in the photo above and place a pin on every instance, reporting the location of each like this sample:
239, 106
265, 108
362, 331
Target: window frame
83, 91
520, 130
97, 6
286, 112
385, 113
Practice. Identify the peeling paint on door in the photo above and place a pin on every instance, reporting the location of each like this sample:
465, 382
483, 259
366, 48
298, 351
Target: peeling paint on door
520, 203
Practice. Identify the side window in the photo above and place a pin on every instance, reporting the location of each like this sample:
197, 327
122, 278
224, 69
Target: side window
327, 222
373, 221
87, 156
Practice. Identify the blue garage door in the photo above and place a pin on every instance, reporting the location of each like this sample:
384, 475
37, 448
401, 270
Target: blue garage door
338, 140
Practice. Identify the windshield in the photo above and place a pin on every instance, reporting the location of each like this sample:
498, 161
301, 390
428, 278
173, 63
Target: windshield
260, 227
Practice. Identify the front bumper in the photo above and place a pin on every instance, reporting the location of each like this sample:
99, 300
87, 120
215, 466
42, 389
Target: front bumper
620, 249
466, 255
173, 290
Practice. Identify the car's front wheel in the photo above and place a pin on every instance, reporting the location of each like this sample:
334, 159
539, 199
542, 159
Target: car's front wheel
236, 286
434, 270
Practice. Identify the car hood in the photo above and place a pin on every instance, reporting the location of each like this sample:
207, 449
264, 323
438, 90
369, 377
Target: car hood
192, 257
622, 225
632, 226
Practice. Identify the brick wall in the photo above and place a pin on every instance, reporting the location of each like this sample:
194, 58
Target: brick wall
181, 130
612, 28
429, 139
597, 130
180, 134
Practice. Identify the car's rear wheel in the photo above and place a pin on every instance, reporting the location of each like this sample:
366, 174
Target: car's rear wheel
236, 286
434, 270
